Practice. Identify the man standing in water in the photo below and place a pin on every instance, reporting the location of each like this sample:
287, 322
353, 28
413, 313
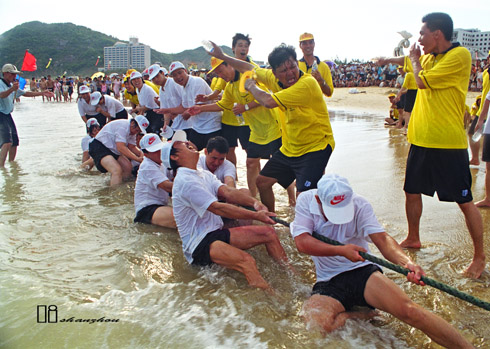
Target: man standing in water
307, 139
344, 278
9, 91
438, 159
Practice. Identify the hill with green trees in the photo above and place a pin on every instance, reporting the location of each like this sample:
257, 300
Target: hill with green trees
74, 49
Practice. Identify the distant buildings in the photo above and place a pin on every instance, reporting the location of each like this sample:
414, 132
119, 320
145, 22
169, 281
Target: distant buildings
474, 40
126, 56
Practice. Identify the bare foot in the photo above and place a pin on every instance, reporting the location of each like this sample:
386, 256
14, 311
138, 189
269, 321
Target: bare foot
411, 244
483, 203
475, 162
475, 269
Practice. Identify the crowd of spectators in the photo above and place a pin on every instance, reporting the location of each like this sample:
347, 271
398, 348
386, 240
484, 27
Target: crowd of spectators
369, 74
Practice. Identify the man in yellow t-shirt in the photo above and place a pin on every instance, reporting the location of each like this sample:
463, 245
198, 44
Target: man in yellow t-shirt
313, 65
438, 159
307, 135
265, 134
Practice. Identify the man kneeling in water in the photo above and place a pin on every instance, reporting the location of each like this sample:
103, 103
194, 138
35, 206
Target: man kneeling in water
344, 278
198, 214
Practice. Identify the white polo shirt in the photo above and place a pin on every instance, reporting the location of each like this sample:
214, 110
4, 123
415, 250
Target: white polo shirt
309, 219
85, 142
192, 193
116, 131
86, 109
226, 169
146, 97
171, 97
146, 190
486, 130
203, 123
112, 105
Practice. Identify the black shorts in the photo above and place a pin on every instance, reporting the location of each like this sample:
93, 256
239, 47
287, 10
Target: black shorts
101, 119
200, 140
156, 122
307, 169
8, 131
348, 287
98, 151
201, 256
401, 102
235, 133
409, 100
263, 151
485, 154
471, 130
123, 114
445, 171
146, 214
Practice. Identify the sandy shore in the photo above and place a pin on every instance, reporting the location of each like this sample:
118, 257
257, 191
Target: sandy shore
371, 99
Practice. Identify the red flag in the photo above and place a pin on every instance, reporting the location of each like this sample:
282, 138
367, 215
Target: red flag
29, 62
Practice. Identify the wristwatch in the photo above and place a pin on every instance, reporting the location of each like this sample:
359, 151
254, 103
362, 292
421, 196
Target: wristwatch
247, 108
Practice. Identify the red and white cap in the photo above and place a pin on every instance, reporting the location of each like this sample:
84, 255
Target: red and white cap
154, 69
83, 89
143, 122
335, 193
95, 98
174, 66
92, 122
179, 136
135, 75
151, 142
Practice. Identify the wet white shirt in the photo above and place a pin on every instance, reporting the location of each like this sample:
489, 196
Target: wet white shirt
226, 169
308, 219
146, 190
85, 142
171, 97
112, 106
116, 131
86, 109
146, 97
192, 193
203, 123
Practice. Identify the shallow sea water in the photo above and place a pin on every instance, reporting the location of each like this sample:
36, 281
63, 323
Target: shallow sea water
67, 241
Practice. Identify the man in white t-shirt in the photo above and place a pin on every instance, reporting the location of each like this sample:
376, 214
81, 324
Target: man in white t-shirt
147, 103
344, 278
198, 213
485, 156
115, 146
151, 192
204, 125
170, 96
214, 161
108, 106
85, 109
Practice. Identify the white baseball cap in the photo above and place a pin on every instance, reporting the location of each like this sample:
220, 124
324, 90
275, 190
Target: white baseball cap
179, 136
154, 69
143, 122
92, 122
10, 68
335, 193
83, 89
135, 75
95, 98
151, 142
174, 66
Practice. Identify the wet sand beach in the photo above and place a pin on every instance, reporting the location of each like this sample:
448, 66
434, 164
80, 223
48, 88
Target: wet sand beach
68, 241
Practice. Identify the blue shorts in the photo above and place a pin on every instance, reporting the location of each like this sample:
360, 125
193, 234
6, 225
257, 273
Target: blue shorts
201, 256
348, 287
307, 169
8, 131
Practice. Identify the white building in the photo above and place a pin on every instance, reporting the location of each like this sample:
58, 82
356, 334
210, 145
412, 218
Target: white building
474, 40
127, 55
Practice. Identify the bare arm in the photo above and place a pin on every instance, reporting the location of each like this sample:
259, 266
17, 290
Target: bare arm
124, 150
392, 251
309, 245
483, 115
387, 60
229, 181
241, 66
417, 68
261, 96
236, 212
166, 185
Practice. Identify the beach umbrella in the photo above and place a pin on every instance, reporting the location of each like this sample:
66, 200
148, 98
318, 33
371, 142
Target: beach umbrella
97, 75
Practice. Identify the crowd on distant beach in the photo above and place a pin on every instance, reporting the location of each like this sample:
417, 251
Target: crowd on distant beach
280, 115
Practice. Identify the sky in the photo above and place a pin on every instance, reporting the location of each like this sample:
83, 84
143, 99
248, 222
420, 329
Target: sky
342, 29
